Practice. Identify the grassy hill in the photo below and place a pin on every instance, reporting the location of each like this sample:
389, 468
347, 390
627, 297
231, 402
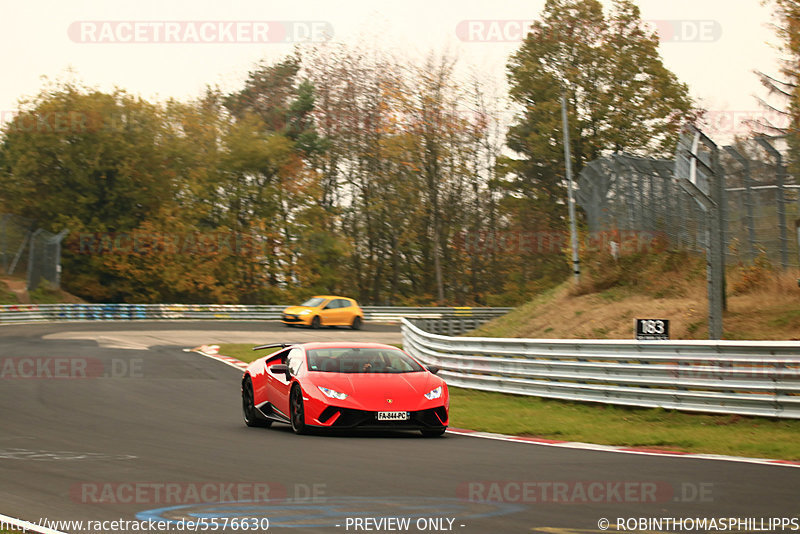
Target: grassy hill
762, 303
13, 290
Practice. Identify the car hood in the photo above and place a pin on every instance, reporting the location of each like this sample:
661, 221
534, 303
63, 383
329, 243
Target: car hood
296, 309
371, 391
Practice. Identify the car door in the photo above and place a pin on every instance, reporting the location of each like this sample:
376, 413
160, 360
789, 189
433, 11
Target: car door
277, 384
346, 311
263, 378
283, 384
330, 312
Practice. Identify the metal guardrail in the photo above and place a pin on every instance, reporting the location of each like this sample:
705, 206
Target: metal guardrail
27, 313
729, 377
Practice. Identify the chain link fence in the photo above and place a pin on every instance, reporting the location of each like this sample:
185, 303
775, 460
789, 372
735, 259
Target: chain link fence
31, 252
760, 204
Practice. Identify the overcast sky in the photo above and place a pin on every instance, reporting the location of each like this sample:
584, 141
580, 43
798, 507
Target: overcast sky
155, 48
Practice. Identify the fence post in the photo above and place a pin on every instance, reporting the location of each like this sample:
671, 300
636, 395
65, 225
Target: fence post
748, 200
631, 196
780, 178
57, 257
33, 277
797, 229
701, 176
780, 173
4, 243
722, 205
748, 205
17, 257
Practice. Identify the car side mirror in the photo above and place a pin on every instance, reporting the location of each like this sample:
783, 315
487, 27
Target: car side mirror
279, 369
434, 369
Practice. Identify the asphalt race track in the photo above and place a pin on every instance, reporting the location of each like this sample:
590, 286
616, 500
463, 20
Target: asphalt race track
118, 422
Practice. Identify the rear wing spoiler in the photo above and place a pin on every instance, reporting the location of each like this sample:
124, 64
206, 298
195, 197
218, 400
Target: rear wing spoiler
274, 346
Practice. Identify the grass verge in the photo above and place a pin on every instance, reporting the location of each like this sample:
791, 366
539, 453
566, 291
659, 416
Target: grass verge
518, 415
244, 351
614, 425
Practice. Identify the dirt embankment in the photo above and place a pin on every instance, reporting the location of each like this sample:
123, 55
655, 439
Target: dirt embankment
762, 303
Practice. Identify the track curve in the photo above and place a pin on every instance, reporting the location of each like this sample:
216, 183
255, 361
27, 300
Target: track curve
119, 422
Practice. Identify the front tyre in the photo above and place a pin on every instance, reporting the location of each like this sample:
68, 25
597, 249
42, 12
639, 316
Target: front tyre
433, 433
248, 407
316, 322
356, 323
297, 411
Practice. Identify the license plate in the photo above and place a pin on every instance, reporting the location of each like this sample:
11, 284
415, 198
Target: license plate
392, 416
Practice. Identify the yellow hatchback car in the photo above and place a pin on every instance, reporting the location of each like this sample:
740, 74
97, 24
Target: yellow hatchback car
325, 310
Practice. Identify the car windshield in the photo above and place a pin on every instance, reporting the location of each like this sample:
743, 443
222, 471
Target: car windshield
361, 360
313, 302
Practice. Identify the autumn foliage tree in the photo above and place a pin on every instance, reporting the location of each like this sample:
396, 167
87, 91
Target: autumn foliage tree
338, 170
619, 94
783, 87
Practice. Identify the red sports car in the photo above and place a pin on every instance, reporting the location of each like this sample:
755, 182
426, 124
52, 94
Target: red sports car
344, 385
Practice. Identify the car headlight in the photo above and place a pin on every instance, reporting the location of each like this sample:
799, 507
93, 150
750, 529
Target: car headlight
305, 312
333, 394
434, 393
